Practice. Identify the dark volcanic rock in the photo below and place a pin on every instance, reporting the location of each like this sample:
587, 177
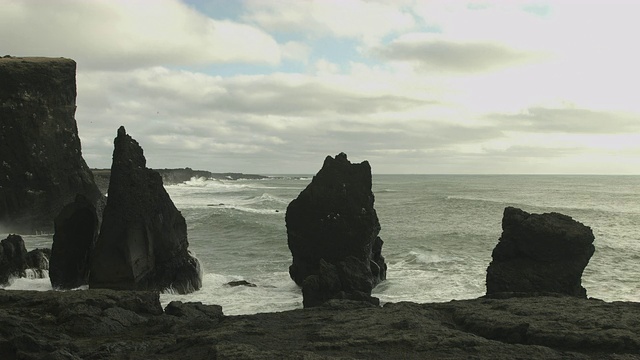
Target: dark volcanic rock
332, 231
39, 258
143, 239
349, 279
105, 324
240, 283
76, 232
13, 258
16, 262
41, 164
540, 253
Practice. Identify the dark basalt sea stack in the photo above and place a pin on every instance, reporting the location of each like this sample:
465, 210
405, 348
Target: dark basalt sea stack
332, 231
15, 261
76, 232
143, 238
539, 254
13, 258
41, 164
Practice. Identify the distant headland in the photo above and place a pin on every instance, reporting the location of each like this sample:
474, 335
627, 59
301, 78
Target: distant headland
176, 176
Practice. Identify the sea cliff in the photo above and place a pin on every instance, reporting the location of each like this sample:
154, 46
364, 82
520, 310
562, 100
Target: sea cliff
41, 164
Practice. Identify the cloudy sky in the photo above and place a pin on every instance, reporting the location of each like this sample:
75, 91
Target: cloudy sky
413, 86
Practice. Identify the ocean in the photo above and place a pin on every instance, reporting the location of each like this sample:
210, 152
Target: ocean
438, 232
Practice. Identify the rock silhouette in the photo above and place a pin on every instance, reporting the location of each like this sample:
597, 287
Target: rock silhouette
143, 238
540, 253
76, 232
41, 164
332, 230
16, 262
13, 258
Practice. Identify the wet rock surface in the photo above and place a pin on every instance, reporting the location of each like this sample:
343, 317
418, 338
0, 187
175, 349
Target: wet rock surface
540, 253
143, 238
332, 231
110, 324
41, 164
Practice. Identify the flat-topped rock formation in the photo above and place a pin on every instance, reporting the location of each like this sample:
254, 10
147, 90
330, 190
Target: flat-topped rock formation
41, 164
540, 253
332, 230
143, 238
106, 324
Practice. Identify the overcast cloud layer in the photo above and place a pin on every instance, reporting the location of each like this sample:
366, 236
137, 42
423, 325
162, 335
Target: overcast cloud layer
412, 86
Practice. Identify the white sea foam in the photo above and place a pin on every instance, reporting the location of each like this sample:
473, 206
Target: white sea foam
427, 258
273, 292
215, 185
36, 274
439, 232
37, 284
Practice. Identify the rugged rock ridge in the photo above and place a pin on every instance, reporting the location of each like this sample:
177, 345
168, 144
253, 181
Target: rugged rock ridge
143, 238
41, 164
540, 253
105, 324
332, 230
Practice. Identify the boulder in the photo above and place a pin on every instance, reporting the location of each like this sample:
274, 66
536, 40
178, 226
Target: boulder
332, 230
143, 238
236, 283
76, 232
41, 164
540, 254
39, 259
38, 263
13, 258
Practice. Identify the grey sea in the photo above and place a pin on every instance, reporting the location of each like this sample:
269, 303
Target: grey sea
438, 231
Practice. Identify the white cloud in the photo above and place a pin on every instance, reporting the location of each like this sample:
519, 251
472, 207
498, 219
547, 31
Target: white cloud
178, 114
295, 51
456, 86
324, 66
364, 20
122, 34
434, 53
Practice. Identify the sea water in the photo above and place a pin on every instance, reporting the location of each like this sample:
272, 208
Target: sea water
438, 232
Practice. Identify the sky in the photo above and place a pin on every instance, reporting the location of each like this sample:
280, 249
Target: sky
412, 86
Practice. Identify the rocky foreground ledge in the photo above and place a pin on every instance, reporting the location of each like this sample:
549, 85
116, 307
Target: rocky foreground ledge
106, 324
